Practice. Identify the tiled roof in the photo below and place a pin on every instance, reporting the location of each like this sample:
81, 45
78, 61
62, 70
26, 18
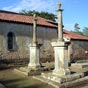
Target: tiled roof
74, 36
14, 17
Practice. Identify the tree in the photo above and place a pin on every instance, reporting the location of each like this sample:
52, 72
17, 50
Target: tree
85, 31
42, 14
77, 29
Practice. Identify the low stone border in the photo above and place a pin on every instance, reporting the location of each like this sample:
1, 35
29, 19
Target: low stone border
25, 73
77, 82
74, 83
54, 84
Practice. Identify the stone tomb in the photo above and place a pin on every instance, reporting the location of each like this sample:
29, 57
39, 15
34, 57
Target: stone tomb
79, 67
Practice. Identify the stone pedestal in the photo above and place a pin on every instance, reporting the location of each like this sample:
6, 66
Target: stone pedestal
61, 72
61, 59
34, 57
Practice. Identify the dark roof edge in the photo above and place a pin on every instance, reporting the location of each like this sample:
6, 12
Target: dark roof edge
8, 12
80, 39
4, 11
25, 23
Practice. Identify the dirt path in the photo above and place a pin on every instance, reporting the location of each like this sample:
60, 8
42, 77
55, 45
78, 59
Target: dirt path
12, 79
15, 80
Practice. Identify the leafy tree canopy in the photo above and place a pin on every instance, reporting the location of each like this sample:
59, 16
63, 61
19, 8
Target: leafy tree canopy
77, 29
42, 14
85, 31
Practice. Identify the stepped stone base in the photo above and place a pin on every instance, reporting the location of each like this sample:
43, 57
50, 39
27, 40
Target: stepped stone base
79, 67
61, 72
62, 82
62, 79
70, 81
31, 72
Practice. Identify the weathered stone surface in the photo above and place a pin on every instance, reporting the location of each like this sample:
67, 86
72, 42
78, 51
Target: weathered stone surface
34, 49
68, 84
79, 67
61, 59
75, 83
32, 72
34, 57
45, 35
23, 34
60, 53
62, 79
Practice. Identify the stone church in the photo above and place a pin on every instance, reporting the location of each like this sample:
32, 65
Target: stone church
16, 31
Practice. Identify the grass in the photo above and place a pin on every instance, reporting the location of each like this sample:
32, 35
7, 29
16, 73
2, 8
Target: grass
12, 79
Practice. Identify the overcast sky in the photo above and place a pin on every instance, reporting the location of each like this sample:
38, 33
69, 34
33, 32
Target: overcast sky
75, 11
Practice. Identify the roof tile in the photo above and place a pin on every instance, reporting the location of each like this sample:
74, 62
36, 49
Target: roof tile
24, 19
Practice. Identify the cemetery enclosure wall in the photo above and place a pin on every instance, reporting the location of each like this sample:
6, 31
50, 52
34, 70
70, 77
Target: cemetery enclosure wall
79, 48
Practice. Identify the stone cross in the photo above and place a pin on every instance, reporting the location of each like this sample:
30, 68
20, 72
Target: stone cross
60, 23
34, 30
60, 49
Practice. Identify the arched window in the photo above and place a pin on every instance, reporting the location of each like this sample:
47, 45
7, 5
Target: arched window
10, 41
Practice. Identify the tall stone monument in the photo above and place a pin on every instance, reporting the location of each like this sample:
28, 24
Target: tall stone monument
61, 72
61, 77
60, 49
34, 48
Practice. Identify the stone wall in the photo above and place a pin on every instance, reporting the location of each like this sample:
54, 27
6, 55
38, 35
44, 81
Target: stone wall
78, 49
23, 37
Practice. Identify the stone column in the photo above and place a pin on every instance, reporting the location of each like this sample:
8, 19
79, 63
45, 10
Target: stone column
34, 41
34, 48
61, 59
60, 49
60, 23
